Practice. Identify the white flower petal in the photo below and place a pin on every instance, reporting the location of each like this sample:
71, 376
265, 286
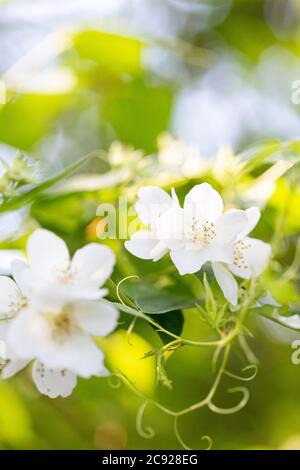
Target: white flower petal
159, 251
242, 270
188, 262
96, 318
53, 383
169, 228
293, 321
9, 297
141, 244
253, 216
31, 284
11, 223
204, 203
152, 202
257, 255
221, 253
31, 336
46, 252
78, 353
268, 299
103, 372
21, 273
13, 367
6, 353
4, 326
54, 295
7, 257
175, 200
24, 333
226, 282
229, 226
93, 262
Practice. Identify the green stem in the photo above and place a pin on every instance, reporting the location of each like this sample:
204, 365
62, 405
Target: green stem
191, 408
178, 339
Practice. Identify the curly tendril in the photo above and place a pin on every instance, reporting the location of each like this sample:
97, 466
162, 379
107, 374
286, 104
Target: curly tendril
119, 285
181, 441
232, 329
148, 432
115, 381
145, 432
228, 411
252, 367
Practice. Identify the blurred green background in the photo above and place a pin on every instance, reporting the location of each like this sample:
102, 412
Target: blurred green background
84, 74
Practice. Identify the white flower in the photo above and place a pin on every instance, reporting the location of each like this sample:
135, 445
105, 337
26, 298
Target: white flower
251, 257
47, 317
152, 203
61, 338
176, 156
121, 155
201, 231
50, 382
226, 165
55, 276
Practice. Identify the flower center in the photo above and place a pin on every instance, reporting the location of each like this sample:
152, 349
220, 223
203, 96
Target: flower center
61, 326
201, 233
17, 304
239, 254
63, 273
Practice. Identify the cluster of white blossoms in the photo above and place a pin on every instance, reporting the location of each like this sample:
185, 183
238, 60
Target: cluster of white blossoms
200, 232
51, 311
54, 306
176, 157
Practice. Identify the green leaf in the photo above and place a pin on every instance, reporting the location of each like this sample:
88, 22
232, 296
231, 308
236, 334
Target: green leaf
171, 321
132, 107
110, 52
75, 211
287, 200
154, 300
26, 119
269, 152
260, 154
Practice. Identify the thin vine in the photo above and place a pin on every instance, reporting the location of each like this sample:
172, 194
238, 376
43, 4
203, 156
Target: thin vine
233, 328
